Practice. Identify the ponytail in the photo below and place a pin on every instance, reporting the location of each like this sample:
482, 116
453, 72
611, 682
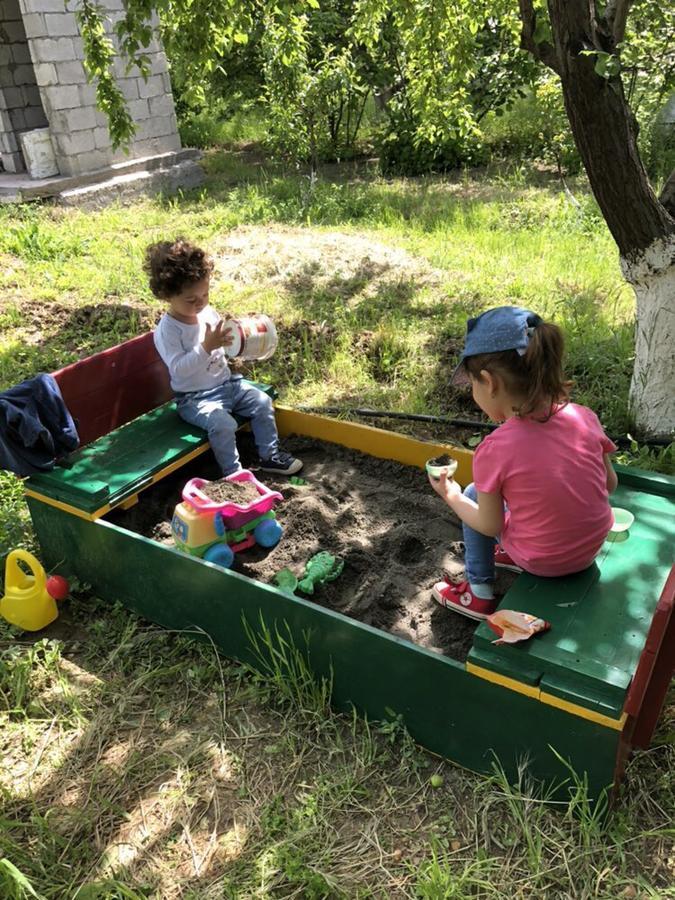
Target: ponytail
537, 376
543, 362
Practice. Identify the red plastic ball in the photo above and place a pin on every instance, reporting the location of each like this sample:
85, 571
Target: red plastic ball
57, 587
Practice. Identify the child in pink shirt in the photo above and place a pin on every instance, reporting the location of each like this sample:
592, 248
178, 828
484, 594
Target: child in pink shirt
539, 501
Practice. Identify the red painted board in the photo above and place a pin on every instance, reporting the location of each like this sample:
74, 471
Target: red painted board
655, 668
115, 386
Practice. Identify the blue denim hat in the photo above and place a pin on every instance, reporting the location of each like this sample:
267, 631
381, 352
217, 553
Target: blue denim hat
502, 328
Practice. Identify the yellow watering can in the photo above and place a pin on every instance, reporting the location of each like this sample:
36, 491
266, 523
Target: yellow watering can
27, 602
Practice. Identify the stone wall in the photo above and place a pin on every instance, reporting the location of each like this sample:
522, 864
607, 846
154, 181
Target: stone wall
20, 104
79, 131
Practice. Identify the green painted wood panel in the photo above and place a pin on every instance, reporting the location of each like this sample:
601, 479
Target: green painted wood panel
118, 464
599, 617
445, 708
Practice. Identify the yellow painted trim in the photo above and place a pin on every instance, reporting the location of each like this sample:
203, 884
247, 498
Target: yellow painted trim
582, 712
549, 699
66, 507
530, 690
373, 441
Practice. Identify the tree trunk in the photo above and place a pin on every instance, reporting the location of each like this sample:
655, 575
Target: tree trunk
605, 133
652, 391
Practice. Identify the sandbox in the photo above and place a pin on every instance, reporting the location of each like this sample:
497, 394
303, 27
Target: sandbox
580, 695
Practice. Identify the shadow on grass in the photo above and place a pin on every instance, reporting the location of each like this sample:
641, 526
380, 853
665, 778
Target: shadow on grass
52, 335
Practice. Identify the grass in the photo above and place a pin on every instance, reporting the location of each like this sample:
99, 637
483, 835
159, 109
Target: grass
140, 764
417, 258
137, 763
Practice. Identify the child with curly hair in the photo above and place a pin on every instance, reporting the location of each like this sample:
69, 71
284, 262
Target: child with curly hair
191, 339
540, 498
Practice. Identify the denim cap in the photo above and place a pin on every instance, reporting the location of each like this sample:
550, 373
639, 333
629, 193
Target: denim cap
502, 328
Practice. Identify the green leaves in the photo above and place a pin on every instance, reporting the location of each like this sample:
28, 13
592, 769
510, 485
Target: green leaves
607, 65
542, 29
99, 64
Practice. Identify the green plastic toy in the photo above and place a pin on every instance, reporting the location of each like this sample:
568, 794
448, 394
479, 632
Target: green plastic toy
320, 568
286, 581
297, 480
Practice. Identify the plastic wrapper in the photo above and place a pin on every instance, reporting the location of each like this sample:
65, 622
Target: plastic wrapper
512, 626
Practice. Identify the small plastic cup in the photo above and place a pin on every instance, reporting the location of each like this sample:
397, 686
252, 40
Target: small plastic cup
435, 471
623, 519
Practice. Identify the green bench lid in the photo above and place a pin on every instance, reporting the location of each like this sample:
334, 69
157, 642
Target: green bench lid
119, 464
599, 618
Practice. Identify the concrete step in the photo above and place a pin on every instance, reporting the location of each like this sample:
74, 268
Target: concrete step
182, 175
18, 188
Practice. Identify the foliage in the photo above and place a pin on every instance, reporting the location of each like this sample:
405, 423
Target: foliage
435, 72
314, 83
648, 57
99, 56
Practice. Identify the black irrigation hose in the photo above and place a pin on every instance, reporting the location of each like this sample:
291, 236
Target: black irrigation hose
441, 420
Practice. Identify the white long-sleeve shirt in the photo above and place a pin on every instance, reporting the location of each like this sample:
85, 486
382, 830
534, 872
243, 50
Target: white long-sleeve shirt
190, 366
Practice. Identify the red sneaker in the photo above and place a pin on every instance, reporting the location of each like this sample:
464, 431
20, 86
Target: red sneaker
504, 561
462, 599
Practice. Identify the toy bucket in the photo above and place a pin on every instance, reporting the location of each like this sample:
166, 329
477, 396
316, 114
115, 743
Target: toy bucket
255, 337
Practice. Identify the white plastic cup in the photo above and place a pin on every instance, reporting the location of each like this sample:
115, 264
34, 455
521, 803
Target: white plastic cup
255, 337
435, 471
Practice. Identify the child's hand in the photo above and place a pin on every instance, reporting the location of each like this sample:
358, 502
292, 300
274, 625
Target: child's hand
215, 337
446, 488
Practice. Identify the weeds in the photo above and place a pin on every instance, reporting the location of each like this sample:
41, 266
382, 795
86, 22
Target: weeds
286, 669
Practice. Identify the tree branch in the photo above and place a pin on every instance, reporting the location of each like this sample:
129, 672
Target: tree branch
616, 15
543, 51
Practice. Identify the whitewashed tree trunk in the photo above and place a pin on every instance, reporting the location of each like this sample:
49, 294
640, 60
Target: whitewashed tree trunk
605, 132
652, 393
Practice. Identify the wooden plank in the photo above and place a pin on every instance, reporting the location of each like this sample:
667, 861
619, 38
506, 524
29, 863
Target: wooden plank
125, 461
655, 669
600, 618
113, 387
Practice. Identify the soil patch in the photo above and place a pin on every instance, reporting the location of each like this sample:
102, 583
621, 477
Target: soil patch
241, 492
395, 536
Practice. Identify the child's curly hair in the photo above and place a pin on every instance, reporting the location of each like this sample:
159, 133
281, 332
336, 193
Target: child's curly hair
172, 265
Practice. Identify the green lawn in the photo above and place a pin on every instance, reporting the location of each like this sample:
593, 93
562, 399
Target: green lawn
138, 764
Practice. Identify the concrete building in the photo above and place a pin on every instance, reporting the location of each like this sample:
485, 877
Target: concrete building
43, 85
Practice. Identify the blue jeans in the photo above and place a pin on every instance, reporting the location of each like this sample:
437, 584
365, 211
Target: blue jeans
479, 549
212, 410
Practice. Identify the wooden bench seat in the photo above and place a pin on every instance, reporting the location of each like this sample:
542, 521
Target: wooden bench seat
130, 431
600, 618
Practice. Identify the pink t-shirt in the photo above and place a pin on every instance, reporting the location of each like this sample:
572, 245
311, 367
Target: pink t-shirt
553, 479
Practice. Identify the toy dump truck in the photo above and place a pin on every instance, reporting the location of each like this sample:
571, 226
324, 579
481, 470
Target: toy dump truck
216, 531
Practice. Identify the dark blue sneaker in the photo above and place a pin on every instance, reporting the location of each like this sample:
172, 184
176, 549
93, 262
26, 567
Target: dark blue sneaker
281, 463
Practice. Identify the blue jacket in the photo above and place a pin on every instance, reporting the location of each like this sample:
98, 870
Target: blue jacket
36, 428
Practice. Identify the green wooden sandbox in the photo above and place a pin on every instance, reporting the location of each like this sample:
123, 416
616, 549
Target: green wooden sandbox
586, 692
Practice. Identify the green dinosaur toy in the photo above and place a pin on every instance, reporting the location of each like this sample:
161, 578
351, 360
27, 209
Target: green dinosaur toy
320, 568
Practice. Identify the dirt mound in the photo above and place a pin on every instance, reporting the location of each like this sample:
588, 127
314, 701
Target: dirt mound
344, 263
